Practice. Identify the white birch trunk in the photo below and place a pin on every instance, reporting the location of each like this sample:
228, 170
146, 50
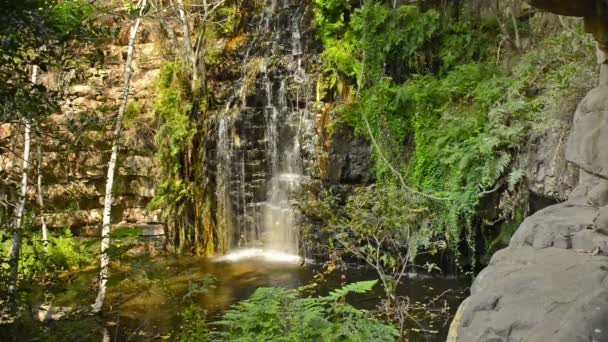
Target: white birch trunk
20, 207
45, 234
107, 209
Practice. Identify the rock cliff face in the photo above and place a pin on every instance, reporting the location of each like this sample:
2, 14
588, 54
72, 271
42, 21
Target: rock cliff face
551, 283
267, 129
76, 142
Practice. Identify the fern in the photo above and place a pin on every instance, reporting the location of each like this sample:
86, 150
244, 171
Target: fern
515, 177
358, 287
467, 114
276, 314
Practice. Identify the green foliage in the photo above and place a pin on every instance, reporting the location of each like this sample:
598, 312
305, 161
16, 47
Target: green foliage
37, 266
404, 32
65, 252
172, 106
469, 125
339, 53
439, 90
132, 114
330, 19
462, 43
194, 326
231, 17
380, 225
277, 314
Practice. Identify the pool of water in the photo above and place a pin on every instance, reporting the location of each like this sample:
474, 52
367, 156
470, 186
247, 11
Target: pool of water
147, 293
150, 309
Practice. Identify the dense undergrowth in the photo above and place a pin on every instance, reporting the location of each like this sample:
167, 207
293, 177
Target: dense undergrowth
448, 103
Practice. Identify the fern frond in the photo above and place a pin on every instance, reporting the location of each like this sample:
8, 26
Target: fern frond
501, 164
358, 287
515, 177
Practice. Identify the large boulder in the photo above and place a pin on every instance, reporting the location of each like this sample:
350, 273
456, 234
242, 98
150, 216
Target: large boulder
551, 283
529, 294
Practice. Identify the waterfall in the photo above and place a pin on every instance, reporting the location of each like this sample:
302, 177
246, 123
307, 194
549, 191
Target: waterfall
259, 175
225, 154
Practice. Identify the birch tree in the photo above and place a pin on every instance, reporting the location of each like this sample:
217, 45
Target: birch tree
45, 235
20, 207
107, 209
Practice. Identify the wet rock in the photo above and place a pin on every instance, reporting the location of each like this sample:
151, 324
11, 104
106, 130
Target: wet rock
349, 157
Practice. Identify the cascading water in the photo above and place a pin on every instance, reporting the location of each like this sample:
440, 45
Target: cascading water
260, 166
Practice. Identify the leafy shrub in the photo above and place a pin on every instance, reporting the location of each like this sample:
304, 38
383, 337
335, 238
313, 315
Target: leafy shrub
193, 327
382, 226
277, 314
65, 252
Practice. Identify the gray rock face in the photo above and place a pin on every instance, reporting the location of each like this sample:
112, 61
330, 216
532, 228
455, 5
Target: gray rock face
556, 226
527, 294
350, 158
589, 138
551, 283
548, 174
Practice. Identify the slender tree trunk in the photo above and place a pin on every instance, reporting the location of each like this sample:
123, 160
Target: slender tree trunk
20, 207
45, 235
188, 42
107, 209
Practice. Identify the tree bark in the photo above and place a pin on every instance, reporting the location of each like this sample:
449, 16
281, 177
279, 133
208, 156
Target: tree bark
45, 235
107, 209
20, 207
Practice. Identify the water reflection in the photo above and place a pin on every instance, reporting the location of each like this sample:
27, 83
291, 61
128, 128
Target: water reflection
265, 255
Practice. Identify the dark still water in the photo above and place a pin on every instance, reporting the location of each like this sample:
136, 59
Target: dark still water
148, 293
